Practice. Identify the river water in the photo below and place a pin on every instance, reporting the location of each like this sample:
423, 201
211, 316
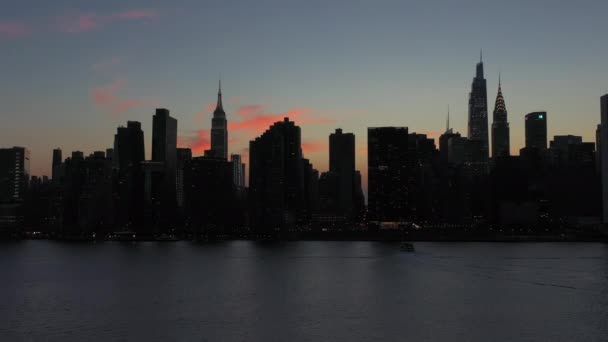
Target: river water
303, 291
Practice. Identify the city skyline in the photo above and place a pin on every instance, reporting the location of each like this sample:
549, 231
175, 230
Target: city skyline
106, 81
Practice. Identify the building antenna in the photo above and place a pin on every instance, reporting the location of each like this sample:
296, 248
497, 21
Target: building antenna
447, 128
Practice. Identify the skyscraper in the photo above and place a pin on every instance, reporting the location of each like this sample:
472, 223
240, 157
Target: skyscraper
478, 110
342, 163
276, 178
219, 130
604, 155
129, 154
536, 130
238, 170
56, 170
444, 155
387, 162
164, 141
14, 180
14, 174
500, 126
183, 156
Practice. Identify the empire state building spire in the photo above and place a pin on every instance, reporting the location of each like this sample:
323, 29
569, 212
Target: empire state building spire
219, 129
219, 108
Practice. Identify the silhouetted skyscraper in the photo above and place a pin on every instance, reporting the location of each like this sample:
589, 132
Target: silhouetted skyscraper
342, 163
604, 155
387, 150
129, 154
478, 110
14, 174
444, 155
56, 168
276, 180
238, 170
219, 130
536, 130
598, 149
183, 156
164, 141
500, 127
209, 194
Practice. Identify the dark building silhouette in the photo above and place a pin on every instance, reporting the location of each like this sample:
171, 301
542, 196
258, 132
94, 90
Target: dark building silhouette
276, 179
536, 130
444, 139
164, 141
604, 155
56, 166
478, 112
14, 173
161, 173
387, 161
339, 188
219, 130
14, 182
87, 195
238, 170
598, 150
342, 163
500, 126
561, 148
129, 154
183, 155
209, 195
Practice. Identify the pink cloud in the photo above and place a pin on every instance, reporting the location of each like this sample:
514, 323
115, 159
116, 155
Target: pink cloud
13, 29
198, 143
254, 119
77, 21
106, 98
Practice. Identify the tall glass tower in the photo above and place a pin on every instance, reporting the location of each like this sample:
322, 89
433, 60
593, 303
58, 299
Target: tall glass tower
478, 110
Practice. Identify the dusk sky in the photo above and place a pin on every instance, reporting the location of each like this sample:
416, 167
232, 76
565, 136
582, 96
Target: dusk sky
73, 71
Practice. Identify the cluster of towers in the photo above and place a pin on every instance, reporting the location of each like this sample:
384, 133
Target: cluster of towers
445, 188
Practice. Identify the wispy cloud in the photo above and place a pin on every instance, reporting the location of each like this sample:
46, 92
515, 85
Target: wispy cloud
13, 29
107, 98
81, 21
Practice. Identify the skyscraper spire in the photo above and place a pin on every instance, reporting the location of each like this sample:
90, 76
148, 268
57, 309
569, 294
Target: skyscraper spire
500, 125
219, 109
219, 129
480, 55
447, 124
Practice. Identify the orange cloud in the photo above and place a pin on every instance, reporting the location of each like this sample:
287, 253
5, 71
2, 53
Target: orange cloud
106, 98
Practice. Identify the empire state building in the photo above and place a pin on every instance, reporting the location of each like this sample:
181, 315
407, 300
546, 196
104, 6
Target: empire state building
219, 129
